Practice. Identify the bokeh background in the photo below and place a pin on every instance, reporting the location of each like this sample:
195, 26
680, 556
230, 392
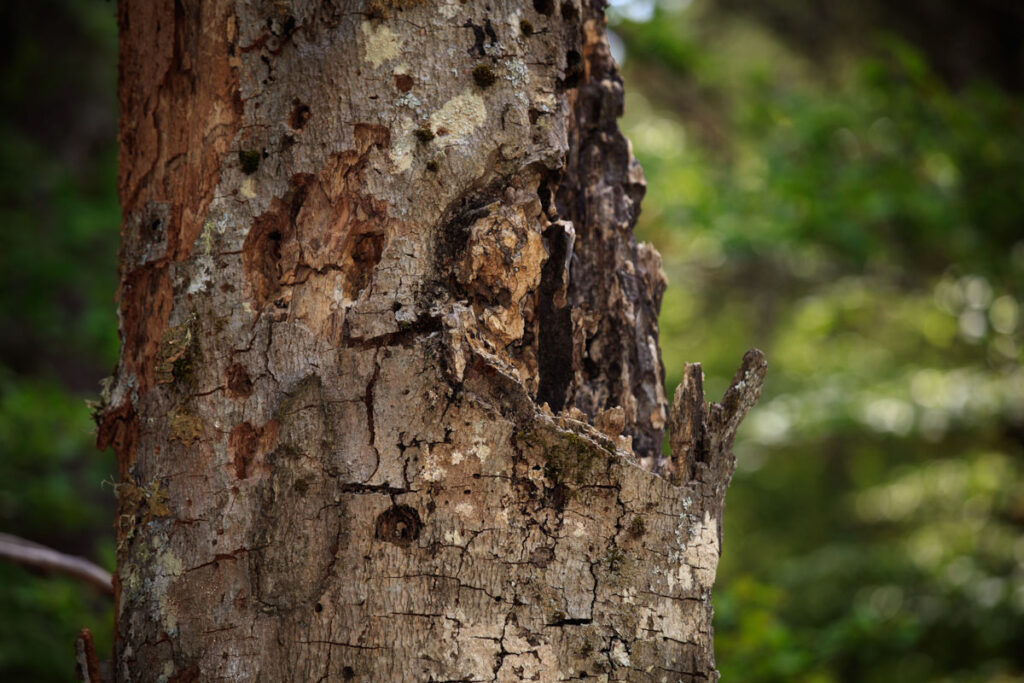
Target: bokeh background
838, 183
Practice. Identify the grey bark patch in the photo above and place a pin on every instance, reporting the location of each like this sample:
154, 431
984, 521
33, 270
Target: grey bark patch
239, 382
146, 233
297, 536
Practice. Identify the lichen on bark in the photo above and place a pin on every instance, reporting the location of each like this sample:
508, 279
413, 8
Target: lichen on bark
390, 354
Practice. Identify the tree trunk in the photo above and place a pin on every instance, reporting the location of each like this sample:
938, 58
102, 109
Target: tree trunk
390, 365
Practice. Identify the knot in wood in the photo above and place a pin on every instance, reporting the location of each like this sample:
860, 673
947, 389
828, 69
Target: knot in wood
399, 524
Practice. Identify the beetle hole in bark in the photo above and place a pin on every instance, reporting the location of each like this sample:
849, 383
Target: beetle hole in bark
261, 252
399, 524
569, 12
548, 187
571, 80
282, 25
557, 496
348, 673
299, 116
545, 7
451, 243
242, 445
238, 380
249, 160
365, 255
403, 82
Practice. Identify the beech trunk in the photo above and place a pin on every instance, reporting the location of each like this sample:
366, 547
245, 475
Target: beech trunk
390, 401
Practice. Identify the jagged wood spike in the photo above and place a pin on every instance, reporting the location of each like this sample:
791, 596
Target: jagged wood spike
742, 394
702, 432
687, 423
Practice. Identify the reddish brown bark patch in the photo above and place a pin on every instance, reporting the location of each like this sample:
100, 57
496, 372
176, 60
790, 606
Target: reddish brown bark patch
248, 446
242, 443
403, 82
187, 675
238, 380
299, 116
146, 302
180, 109
365, 256
120, 429
323, 222
262, 251
177, 66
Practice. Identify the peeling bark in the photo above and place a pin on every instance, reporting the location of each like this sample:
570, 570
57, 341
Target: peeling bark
390, 403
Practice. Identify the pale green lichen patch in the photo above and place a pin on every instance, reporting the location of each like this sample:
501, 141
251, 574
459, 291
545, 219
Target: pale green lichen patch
571, 457
381, 43
139, 505
184, 426
404, 146
458, 118
177, 354
213, 231
517, 73
248, 188
618, 567
155, 587
144, 502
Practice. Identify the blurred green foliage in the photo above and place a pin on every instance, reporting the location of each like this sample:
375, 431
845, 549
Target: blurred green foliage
58, 331
864, 225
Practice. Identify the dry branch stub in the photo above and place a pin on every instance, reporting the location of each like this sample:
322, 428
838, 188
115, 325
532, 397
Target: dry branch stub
390, 367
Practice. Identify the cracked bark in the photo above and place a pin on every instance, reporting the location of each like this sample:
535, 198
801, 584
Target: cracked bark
389, 404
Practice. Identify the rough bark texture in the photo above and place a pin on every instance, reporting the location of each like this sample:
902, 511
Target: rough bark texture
364, 246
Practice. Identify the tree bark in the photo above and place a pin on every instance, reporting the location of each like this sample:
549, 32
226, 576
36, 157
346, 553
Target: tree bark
389, 364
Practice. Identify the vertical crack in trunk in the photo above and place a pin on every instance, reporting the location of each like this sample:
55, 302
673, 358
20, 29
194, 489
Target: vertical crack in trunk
554, 319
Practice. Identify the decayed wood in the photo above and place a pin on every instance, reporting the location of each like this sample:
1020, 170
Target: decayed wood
390, 365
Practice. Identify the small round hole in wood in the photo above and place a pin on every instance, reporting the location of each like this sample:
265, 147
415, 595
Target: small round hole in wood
399, 524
